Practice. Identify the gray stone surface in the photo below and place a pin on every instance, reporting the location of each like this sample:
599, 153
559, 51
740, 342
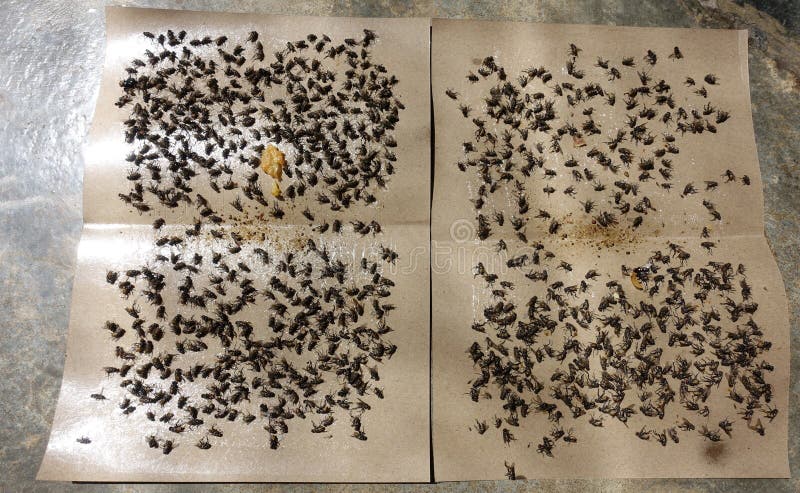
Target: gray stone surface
50, 57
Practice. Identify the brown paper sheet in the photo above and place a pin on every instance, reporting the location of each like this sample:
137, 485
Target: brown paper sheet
461, 294
116, 237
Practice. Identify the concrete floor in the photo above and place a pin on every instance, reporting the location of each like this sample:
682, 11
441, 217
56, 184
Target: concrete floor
50, 58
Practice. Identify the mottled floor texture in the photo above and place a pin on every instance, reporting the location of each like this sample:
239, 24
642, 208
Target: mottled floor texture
50, 58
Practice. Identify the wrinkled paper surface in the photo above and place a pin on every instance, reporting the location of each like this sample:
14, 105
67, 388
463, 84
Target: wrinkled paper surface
611, 451
116, 237
397, 450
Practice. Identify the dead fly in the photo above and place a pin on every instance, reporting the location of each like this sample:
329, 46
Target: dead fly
546, 447
709, 434
508, 437
708, 245
726, 426
757, 427
167, 447
510, 472
770, 413
152, 441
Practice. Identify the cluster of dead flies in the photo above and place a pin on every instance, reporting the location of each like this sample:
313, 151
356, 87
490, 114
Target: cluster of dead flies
527, 134
608, 351
207, 108
221, 329
662, 339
